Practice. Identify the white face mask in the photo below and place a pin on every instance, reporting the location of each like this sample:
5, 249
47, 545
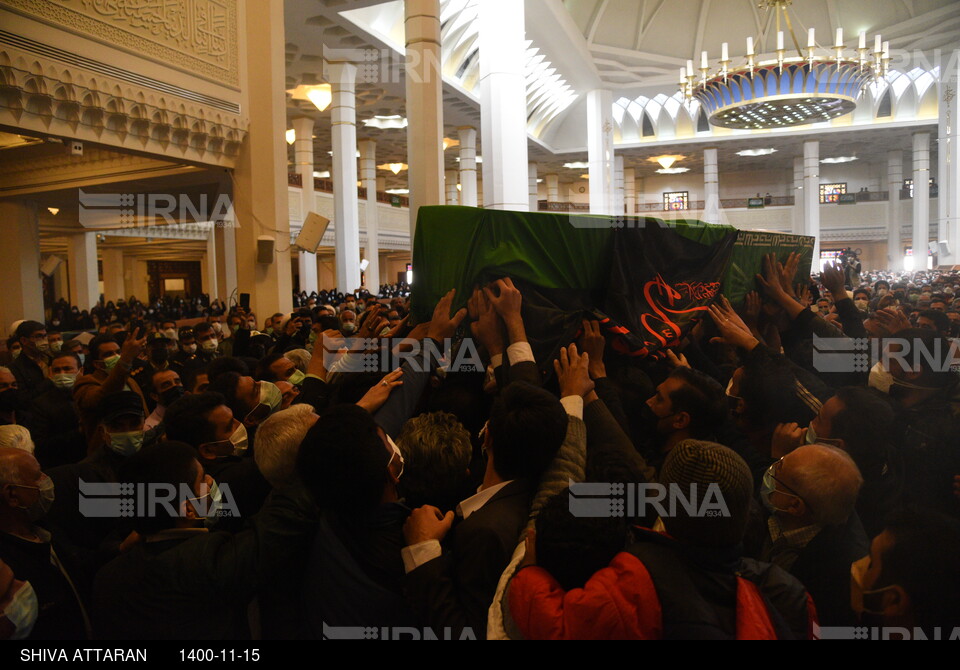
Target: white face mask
22, 612
217, 327
170, 333
239, 440
209, 346
880, 378
190, 349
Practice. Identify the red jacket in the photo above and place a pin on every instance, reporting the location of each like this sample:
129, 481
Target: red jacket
622, 602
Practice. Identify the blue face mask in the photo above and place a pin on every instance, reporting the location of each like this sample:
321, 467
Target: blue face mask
22, 612
768, 486
211, 505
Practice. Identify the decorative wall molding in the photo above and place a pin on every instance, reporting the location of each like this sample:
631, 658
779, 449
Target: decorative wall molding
196, 36
44, 96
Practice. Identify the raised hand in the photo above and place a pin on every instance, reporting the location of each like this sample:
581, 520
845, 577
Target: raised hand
375, 398
834, 281
732, 331
592, 343
442, 325
573, 372
488, 326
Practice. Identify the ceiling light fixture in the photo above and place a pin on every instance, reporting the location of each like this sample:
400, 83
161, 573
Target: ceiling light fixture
291, 136
398, 191
819, 84
321, 95
673, 170
395, 168
839, 159
757, 152
386, 122
53, 210
666, 161
578, 165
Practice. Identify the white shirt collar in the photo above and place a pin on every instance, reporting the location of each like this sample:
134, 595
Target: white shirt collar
482, 497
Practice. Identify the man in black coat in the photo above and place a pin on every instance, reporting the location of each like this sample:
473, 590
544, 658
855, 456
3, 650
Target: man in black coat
205, 422
28, 550
452, 586
813, 531
56, 422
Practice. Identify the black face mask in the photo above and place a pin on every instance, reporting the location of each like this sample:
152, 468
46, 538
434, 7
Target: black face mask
11, 400
171, 395
159, 355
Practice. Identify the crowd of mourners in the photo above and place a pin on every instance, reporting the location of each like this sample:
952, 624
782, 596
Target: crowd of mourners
508, 497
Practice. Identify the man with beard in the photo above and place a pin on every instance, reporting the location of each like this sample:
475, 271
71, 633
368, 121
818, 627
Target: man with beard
687, 405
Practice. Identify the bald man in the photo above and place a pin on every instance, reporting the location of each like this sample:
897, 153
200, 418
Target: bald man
812, 530
26, 494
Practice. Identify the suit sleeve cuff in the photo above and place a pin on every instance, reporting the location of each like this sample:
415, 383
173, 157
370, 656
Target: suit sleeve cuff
520, 352
573, 404
417, 554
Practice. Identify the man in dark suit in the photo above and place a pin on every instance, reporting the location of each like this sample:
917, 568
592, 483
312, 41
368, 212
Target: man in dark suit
453, 586
56, 428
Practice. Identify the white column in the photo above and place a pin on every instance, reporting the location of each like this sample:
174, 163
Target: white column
112, 260
797, 222
534, 195
618, 195
82, 260
811, 196
553, 187
346, 208
368, 179
261, 198
468, 166
503, 104
20, 264
630, 191
424, 103
303, 163
600, 150
894, 222
381, 184
921, 199
948, 151
450, 187
711, 187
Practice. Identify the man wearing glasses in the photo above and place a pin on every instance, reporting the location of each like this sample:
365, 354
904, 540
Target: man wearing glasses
812, 530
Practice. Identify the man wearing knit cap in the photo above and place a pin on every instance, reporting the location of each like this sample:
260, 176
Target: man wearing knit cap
687, 580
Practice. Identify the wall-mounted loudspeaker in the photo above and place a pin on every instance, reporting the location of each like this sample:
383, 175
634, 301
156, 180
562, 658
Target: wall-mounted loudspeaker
314, 227
944, 249
50, 265
265, 249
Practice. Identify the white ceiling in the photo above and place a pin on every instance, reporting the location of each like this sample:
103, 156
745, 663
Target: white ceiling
638, 43
632, 46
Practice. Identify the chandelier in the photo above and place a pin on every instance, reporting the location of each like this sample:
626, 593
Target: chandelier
818, 84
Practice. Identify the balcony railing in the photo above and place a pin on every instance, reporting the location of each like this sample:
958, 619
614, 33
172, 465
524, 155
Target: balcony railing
326, 186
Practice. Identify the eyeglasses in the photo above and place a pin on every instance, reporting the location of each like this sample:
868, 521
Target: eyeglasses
772, 472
